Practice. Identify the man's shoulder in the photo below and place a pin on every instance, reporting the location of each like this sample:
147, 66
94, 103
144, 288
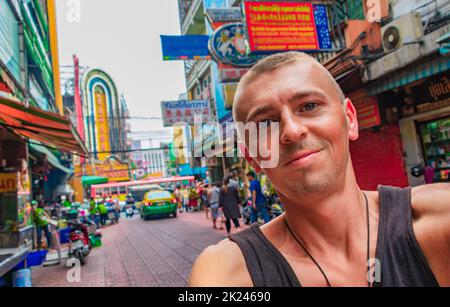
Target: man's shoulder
431, 199
431, 216
221, 265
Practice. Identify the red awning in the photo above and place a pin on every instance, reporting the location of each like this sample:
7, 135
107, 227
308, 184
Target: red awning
46, 127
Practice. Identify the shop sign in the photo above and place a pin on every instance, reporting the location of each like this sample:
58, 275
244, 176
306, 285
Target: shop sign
229, 90
367, 109
231, 14
286, 26
433, 94
228, 45
231, 74
8, 183
110, 168
184, 111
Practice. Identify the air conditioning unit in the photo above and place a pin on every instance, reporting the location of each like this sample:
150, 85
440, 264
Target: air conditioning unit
405, 29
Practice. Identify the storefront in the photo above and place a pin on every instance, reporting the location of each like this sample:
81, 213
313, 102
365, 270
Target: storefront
425, 127
377, 155
20, 128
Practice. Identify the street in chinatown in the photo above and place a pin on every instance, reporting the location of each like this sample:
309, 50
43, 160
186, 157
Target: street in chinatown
138, 253
122, 122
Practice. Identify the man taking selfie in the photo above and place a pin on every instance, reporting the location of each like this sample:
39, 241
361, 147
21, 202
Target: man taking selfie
332, 233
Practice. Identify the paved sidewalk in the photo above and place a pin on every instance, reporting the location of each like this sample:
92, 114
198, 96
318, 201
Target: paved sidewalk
140, 253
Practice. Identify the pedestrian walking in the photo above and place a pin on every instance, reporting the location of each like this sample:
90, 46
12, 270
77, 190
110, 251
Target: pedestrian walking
213, 199
130, 204
41, 221
204, 200
258, 199
230, 202
103, 213
179, 198
94, 214
186, 199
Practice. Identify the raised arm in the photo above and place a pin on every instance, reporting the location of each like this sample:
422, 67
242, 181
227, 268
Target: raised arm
431, 223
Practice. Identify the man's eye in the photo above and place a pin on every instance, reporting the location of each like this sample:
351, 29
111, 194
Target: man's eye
310, 106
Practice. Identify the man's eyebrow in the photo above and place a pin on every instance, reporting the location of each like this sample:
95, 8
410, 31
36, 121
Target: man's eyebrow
295, 97
258, 111
304, 94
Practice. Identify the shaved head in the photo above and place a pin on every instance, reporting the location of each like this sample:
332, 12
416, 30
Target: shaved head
274, 62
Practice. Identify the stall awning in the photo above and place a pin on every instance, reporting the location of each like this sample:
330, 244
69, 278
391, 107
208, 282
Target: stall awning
46, 127
409, 75
90, 180
51, 158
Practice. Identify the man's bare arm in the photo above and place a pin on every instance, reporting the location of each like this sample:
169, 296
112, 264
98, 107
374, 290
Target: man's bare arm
431, 214
221, 265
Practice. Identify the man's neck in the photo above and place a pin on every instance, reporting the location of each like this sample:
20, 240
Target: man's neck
333, 220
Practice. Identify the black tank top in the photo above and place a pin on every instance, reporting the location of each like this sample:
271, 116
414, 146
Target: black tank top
403, 264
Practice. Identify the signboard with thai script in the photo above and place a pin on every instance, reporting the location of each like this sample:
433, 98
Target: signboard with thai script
221, 15
286, 26
367, 109
433, 94
185, 111
8, 183
228, 73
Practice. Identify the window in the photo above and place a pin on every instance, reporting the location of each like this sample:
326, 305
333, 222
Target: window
114, 191
355, 9
9, 38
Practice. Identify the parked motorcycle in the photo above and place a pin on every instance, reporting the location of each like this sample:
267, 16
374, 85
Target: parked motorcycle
79, 243
247, 211
129, 210
275, 206
113, 216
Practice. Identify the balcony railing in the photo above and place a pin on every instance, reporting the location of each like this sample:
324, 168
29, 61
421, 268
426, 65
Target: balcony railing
434, 14
195, 6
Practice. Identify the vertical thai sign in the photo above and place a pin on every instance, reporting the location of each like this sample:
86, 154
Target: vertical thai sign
103, 141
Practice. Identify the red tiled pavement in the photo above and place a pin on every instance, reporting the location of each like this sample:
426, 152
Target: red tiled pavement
138, 253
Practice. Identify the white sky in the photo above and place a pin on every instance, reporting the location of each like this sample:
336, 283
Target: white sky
122, 37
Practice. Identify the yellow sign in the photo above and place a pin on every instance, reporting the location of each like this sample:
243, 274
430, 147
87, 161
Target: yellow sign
230, 91
8, 182
154, 175
110, 168
102, 124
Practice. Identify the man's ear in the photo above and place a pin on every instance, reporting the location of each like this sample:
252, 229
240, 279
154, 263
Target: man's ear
352, 120
249, 159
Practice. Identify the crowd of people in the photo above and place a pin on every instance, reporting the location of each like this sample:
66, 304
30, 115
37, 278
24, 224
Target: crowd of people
224, 200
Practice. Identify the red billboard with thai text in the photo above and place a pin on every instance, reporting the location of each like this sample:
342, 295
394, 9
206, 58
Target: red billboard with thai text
281, 26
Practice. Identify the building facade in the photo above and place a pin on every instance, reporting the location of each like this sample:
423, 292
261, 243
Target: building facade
394, 68
37, 143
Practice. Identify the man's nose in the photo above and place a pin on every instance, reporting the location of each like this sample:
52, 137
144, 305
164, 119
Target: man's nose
292, 129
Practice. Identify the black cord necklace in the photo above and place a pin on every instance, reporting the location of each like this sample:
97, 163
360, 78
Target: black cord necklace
314, 260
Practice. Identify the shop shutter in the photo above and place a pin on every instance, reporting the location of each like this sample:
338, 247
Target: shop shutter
377, 158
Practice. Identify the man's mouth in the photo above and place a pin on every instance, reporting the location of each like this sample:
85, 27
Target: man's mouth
302, 157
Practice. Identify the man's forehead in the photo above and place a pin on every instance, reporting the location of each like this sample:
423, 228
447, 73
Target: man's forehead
304, 75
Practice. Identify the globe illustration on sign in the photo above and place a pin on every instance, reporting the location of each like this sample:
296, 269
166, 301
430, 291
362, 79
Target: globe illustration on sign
228, 45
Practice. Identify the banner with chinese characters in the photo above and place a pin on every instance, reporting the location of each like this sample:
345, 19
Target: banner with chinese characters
285, 26
8, 183
182, 111
367, 109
